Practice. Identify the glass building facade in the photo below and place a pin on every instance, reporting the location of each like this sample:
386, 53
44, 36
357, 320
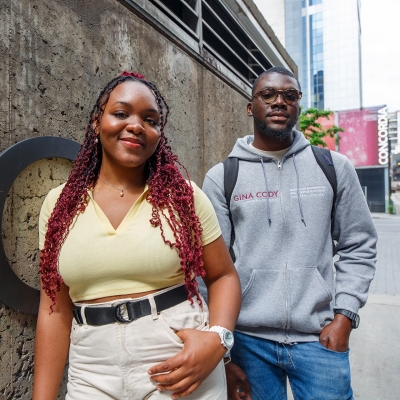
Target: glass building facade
323, 38
316, 61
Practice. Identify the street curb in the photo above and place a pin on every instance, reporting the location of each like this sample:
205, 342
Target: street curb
384, 216
384, 300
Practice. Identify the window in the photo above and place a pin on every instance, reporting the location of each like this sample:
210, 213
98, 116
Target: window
316, 61
304, 77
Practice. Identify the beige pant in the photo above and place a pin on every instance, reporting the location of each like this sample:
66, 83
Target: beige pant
111, 361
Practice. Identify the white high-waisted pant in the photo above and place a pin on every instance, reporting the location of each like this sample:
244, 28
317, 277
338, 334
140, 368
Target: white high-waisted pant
111, 361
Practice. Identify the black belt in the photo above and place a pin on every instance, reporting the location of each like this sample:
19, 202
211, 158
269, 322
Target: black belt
136, 309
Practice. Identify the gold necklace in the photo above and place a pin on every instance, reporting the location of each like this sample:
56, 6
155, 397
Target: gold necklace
120, 190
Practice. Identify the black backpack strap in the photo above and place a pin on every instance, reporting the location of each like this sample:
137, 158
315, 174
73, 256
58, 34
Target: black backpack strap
231, 169
324, 160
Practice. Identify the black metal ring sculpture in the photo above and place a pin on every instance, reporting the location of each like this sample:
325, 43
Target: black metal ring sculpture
13, 292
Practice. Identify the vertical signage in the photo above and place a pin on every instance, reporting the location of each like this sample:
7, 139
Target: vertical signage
383, 139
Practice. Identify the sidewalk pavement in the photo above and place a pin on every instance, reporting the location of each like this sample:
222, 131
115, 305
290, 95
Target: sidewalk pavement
376, 215
375, 350
375, 345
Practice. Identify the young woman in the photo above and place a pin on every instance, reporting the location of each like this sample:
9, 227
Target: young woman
122, 243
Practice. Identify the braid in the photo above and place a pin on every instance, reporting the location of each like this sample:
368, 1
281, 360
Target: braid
170, 195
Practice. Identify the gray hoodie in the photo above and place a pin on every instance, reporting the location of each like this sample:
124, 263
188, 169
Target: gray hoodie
283, 246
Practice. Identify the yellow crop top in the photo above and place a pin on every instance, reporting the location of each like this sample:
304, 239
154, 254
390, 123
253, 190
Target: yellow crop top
97, 260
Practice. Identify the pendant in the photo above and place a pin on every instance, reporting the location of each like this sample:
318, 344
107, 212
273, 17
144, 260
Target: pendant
122, 194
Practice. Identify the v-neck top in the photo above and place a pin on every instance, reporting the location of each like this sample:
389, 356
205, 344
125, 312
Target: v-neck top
97, 260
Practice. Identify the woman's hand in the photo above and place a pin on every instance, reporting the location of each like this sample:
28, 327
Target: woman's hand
184, 372
202, 350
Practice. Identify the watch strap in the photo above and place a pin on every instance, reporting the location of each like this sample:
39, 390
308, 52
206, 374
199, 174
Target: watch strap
353, 317
221, 331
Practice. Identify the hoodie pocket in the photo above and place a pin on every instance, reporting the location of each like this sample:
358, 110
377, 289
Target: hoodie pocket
309, 300
263, 299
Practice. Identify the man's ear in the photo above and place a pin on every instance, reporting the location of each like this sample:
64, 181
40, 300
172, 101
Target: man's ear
249, 109
297, 126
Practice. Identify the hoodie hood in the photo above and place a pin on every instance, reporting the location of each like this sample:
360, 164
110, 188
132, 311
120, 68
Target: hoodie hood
243, 151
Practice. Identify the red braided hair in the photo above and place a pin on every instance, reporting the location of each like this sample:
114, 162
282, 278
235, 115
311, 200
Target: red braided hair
170, 195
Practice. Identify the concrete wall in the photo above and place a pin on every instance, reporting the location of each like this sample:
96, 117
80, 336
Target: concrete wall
55, 57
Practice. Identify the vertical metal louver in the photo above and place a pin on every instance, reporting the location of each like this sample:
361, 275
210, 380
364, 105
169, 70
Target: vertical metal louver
219, 35
184, 13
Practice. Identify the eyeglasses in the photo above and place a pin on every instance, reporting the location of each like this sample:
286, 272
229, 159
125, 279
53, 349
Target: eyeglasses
269, 95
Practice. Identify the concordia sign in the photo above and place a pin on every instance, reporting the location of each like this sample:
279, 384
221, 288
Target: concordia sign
13, 292
383, 139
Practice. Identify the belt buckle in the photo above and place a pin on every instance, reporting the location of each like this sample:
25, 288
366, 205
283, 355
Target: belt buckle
118, 316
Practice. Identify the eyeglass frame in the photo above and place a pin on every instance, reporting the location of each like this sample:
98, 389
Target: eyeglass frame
278, 92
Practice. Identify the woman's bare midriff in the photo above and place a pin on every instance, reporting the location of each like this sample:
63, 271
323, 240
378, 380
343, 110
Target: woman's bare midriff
122, 296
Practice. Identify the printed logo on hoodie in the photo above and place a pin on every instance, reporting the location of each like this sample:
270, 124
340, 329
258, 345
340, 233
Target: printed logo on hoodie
255, 196
309, 191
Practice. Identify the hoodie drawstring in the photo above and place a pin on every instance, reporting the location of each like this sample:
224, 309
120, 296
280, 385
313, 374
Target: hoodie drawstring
298, 191
266, 188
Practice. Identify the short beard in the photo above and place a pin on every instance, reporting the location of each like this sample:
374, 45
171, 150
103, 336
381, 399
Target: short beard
279, 134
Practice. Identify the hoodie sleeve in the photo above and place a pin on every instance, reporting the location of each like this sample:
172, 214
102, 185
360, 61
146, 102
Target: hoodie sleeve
356, 237
213, 187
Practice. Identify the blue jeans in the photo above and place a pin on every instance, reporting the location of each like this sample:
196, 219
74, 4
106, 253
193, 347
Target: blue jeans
314, 372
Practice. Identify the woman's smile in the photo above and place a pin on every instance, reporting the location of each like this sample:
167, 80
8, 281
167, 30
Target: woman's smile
132, 143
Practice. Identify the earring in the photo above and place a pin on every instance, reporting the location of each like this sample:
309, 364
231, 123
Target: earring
96, 140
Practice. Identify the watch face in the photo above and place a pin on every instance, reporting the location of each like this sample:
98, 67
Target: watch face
228, 338
356, 322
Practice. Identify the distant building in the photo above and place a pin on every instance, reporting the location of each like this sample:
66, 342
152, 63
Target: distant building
394, 143
394, 131
324, 39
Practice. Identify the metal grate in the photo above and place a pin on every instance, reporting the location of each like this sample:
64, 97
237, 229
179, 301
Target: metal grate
227, 41
219, 36
185, 13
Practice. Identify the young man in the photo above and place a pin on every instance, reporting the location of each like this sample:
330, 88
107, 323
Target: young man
296, 314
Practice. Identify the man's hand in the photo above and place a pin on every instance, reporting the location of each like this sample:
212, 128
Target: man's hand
235, 379
335, 336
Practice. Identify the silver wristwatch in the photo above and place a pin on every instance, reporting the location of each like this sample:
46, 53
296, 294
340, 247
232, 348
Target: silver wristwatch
225, 335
